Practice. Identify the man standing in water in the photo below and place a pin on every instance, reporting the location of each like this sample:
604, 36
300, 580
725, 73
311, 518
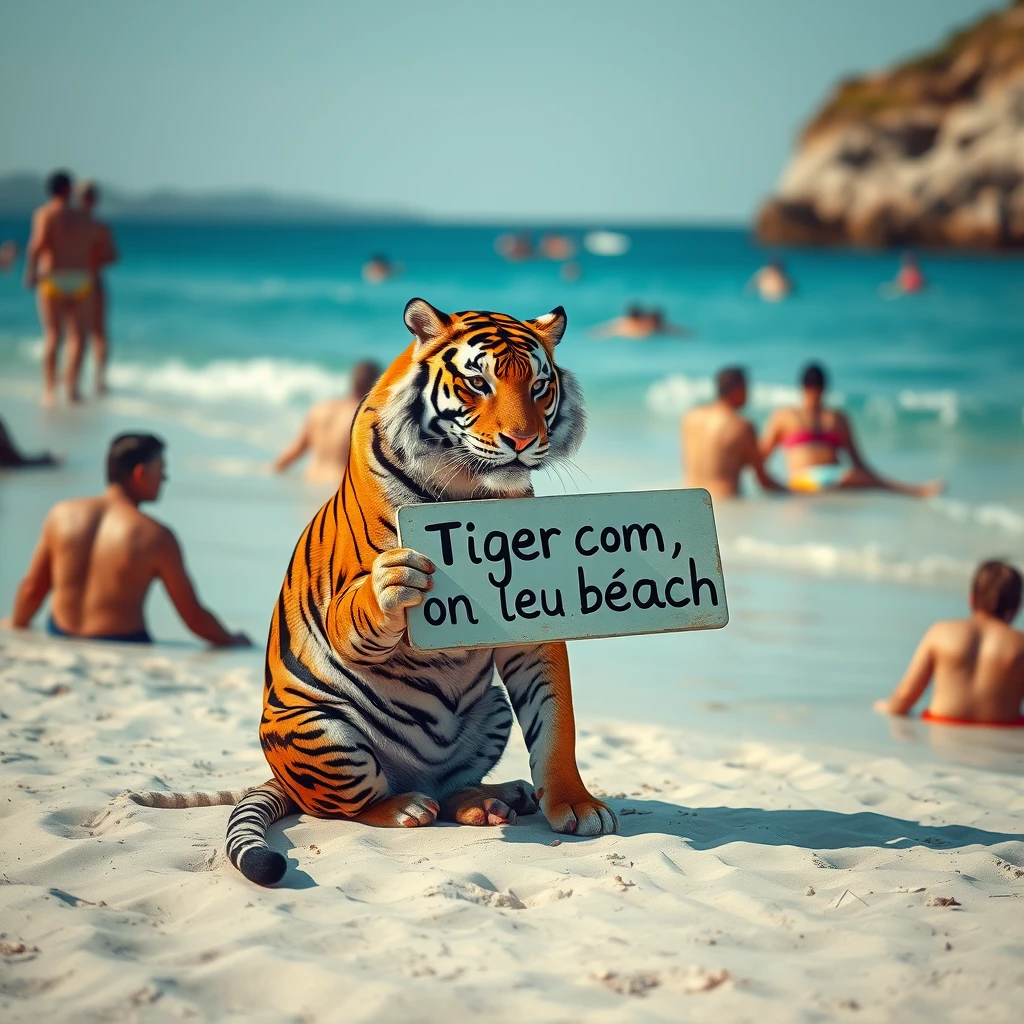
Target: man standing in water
104, 252
325, 433
718, 442
58, 265
100, 555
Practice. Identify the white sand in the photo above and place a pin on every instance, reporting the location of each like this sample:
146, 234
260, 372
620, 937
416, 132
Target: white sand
749, 882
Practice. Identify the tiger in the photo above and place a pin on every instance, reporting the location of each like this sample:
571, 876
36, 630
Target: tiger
358, 724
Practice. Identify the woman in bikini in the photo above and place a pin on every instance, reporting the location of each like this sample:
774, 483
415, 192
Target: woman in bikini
813, 437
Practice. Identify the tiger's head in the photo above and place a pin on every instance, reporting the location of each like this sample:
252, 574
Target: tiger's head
484, 398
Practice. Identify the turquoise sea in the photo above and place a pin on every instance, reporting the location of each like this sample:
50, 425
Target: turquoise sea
223, 334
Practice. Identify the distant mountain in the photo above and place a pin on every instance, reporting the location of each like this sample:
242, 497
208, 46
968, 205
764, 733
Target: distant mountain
930, 152
20, 194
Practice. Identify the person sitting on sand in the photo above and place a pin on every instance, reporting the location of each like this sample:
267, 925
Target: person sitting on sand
814, 436
99, 556
772, 282
59, 264
718, 442
637, 323
104, 253
977, 664
325, 432
11, 458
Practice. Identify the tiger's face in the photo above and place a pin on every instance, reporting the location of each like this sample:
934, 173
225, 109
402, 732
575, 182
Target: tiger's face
489, 394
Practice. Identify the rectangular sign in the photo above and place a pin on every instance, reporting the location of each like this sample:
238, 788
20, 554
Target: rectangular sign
529, 570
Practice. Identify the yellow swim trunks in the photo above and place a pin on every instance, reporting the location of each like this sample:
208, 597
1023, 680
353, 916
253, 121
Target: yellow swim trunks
66, 284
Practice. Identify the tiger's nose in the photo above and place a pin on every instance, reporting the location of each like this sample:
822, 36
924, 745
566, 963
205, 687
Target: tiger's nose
516, 441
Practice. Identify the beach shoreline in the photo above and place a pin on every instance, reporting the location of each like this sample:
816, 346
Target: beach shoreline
748, 879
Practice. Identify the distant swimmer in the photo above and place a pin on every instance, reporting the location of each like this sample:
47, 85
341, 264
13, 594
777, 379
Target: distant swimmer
99, 556
977, 664
772, 282
813, 437
104, 253
637, 323
557, 247
325, 432
11, 458
909, 279
8, 255
378, 269
514, 246
570, 271
59, 265
718, 443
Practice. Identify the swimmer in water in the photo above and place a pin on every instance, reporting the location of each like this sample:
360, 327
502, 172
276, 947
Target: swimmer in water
514, 247
814, 436
8, 255
909, 279
977, 664
378, 269
637, 323
772, 282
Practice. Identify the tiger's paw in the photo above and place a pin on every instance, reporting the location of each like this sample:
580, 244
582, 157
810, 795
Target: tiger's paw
478, 806
519, 795
407, 810
579, 814
400, 579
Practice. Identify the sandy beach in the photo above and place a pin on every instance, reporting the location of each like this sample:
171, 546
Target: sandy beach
749, 881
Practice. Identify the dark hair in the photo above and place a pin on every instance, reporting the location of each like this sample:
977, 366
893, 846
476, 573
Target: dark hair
729, 378
364, 376
814, 376
996, 589
128, 451
58, 184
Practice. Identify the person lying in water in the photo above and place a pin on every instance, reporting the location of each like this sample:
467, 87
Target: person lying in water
718, 443
99, 556
637, 323
813, 438
977, 664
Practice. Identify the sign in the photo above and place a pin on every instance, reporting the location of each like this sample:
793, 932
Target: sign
529, 570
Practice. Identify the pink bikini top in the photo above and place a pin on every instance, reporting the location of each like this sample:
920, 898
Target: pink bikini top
831, 438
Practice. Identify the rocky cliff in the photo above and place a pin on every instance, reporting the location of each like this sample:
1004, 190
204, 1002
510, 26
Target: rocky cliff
929, 153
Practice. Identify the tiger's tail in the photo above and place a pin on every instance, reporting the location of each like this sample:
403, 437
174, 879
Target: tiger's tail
247, 845
178, 800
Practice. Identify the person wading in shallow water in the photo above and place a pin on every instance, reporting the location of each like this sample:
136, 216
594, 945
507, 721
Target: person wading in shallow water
977, 664
103, 254
326, 430
100, 555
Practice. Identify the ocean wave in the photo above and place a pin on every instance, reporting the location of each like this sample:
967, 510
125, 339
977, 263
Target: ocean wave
274, 381
998, 516
945, 403
869, 562
676, 393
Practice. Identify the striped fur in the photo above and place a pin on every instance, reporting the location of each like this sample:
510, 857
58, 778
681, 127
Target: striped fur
181, 800
356, 723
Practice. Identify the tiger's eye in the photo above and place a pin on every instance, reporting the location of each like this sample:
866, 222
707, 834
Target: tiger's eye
479, 383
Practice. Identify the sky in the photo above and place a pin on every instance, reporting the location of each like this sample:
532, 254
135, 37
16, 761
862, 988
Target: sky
646, 110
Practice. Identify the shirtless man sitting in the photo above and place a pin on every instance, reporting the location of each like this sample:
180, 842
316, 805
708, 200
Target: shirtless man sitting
977, 663
100, 555
718, 442
58, 264
325, 433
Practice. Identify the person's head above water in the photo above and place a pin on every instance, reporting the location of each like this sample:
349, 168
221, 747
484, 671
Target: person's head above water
813, 377
135, 463
58, 185
88, 193
996, 590
731, 382
364, 376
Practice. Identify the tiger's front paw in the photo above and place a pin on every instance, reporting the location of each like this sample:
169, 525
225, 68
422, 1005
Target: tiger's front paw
400, 579
578, 813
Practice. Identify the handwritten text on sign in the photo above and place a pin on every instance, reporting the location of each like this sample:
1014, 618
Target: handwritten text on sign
527, 570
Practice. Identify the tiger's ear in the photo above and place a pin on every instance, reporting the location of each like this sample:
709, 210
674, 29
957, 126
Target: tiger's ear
426, 322
550, 326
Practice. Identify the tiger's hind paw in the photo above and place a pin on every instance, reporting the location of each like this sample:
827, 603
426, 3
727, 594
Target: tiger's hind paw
519, 795
407, 810
477, 806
